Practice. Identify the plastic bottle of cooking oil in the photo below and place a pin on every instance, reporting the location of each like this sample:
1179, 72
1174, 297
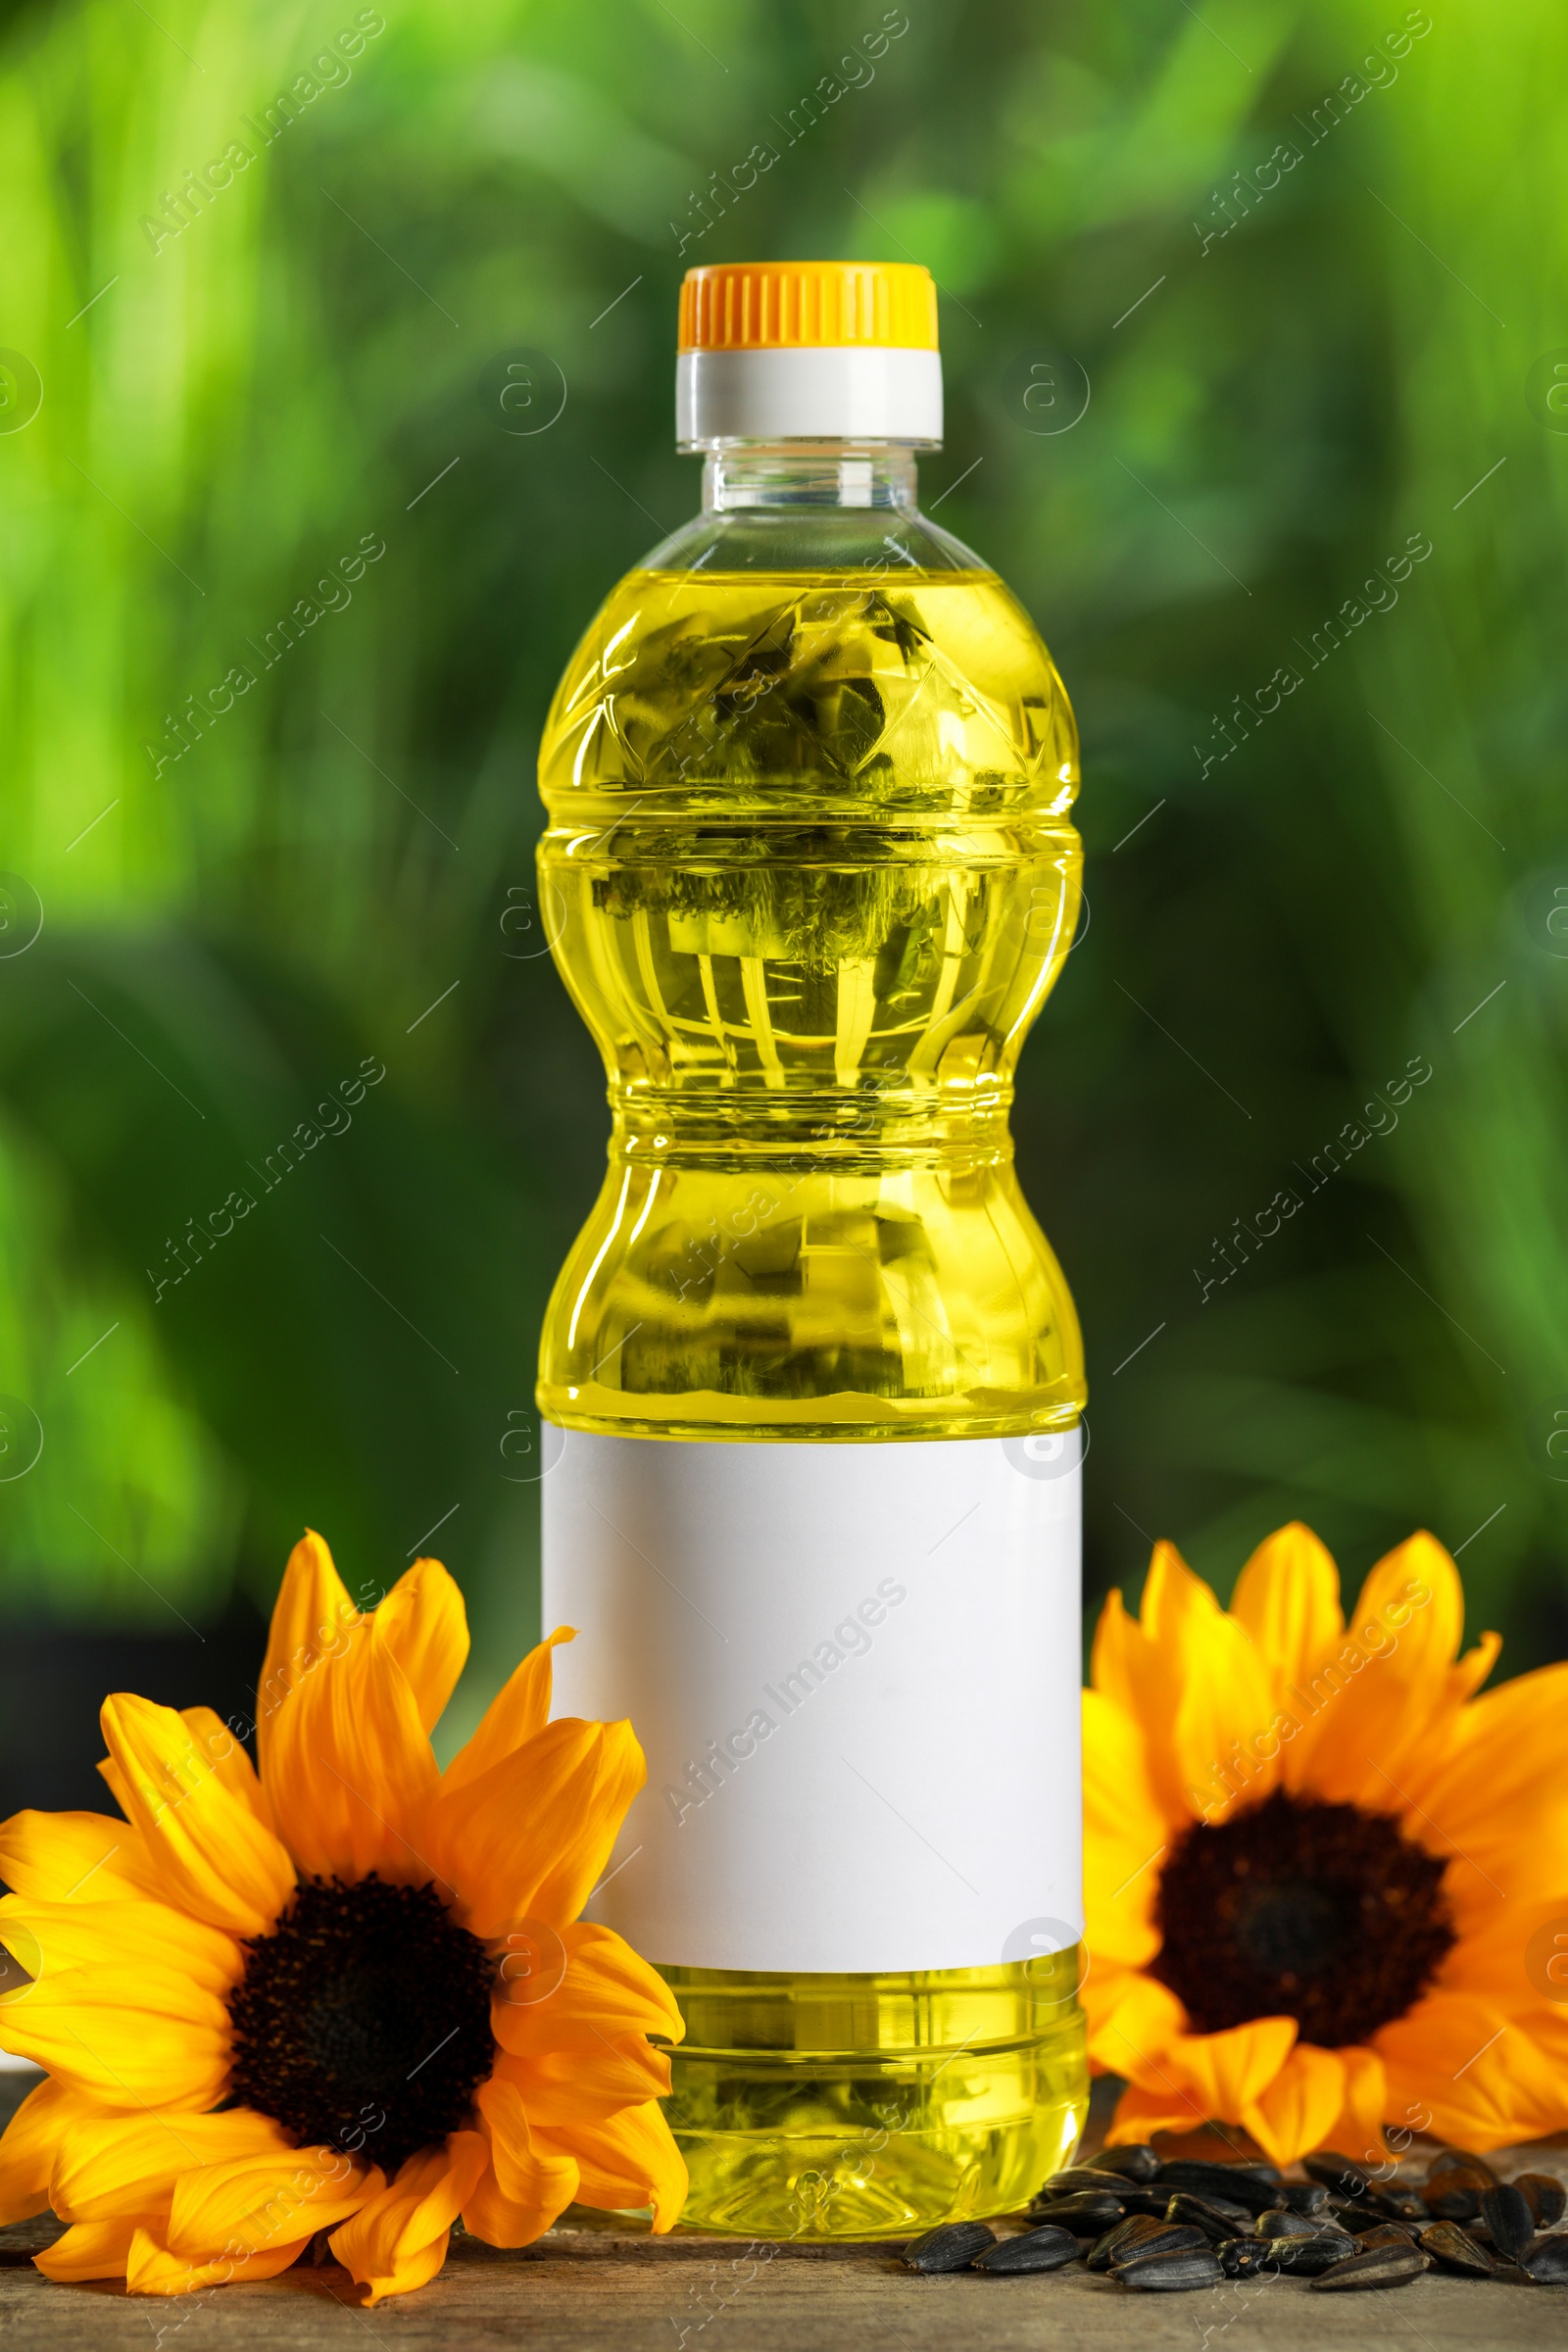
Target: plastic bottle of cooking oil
809, 873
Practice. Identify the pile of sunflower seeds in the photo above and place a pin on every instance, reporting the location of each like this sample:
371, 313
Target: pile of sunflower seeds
1181, 2224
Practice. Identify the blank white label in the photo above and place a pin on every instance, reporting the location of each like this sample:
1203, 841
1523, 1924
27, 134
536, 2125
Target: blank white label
855, 1670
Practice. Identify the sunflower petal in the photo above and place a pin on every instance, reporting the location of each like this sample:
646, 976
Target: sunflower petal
1288, 1598
313, 1619
1357, 2130
1128, 1670
152, 2268
529, 1839
631, 2160
152, 2039
1225, 1693
1190, 1677
1537, 2073
519, 1709
1499, 1799
522, 2190
1132, 2021
30, 2144
424, 1626
91, 2250
1120, 1665
1205, 2077
1417, 1568
607, 1988
212, 1856
579, 1864
1295, 2114
1459, 2068
1499, 1947
57, 1857
226, 1753
627, 2071
117, 1784
349, 1767
1386, 1693
112, 1939
123, 2167
1125, 1837
265, 2200
1220, 2072
398, 2239
1473, 1668
1140, 2114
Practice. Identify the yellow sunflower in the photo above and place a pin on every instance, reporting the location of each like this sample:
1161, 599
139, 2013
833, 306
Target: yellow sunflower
1327, 1884
349, 1994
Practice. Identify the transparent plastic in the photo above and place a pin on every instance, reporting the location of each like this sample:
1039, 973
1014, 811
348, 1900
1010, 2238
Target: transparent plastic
809, 875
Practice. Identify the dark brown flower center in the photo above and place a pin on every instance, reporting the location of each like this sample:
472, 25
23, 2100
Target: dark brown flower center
363, 2020
1298, 1909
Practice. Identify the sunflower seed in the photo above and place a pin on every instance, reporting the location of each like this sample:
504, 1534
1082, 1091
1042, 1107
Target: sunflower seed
1455, 2195
1280, 2220
1031, 2250
1453, 2250
1465, 2160
1170, 2273
1087, 2214
1187, 2172
1303, 2196
1383, 2265
1207, 2214
1306, 2257
1387, 2234
1395, 2200
949, 2247
1164, 2237
1337, 2172
1508, 2217
1246, 2257
1545, 2260
1249, 2185
1076, 2178
1135, 2162
1152, 2200
1358, 2216
1545, 2195
1127, 2232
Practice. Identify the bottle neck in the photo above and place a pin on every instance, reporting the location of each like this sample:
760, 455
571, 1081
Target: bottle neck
742, 476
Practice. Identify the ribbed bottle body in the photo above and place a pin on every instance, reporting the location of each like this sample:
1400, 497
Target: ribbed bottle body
809, 876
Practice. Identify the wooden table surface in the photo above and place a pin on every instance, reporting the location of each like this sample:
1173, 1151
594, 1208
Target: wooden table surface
592, 2287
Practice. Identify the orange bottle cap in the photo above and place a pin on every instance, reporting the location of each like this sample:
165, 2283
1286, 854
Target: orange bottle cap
784, 306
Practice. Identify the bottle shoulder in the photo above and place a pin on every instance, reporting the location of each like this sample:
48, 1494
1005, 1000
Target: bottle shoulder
814, 539
863, 684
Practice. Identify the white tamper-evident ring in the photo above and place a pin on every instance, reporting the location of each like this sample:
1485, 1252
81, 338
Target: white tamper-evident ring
866, 392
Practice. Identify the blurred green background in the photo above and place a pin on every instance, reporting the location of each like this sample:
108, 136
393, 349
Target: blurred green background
1293, 369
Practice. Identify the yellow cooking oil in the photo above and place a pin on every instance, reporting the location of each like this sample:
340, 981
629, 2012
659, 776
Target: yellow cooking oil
809, 875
